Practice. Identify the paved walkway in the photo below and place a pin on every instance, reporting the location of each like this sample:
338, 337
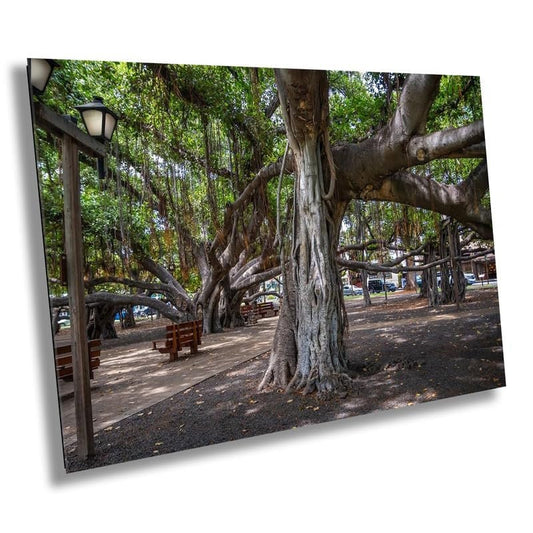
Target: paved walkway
133, 377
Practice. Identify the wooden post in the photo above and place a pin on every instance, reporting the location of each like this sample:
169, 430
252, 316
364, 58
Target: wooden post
74, 252
74, 140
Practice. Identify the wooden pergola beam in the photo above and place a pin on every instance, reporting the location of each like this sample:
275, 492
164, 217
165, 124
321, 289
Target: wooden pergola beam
58, 125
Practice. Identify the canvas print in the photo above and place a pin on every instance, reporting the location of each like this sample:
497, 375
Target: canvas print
237, 251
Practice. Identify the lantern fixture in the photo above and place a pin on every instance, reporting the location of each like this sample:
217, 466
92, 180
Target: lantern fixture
40, 72
100, 122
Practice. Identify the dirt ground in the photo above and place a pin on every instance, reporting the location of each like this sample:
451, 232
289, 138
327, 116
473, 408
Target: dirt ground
400, 353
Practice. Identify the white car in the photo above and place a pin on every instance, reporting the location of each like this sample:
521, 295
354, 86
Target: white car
470, 278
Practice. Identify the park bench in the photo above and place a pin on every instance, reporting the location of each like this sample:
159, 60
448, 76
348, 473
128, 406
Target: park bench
178, 336
266, 308
248, 313
63, 356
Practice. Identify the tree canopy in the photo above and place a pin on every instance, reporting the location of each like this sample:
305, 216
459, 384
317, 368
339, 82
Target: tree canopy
202, 201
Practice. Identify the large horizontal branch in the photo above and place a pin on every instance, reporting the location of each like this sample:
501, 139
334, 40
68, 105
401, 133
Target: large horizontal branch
376, 168
173, 287
367, 245
424, 148
97, 298
376, 267
458, 201
144, 285
365, 265
396, 269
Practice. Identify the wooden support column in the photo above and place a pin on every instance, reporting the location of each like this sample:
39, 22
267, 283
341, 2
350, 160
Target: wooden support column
74, 140
76, 293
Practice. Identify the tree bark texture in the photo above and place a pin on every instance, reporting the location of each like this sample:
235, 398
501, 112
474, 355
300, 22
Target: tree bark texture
101, 324
452, 280
319, 307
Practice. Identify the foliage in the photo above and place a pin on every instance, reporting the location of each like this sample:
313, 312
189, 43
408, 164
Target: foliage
191, 138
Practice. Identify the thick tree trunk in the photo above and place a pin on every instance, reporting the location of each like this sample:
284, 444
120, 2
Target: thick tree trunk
230, 306
319, 321
211, 316
101, 323
410, 277
430, 289
127, 319
452, 281
319, 318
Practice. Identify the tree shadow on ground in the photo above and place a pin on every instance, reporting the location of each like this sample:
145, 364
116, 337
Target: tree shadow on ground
399, 354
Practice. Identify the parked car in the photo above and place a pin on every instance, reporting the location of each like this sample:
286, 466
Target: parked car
347, 290
470, 278
391, 286
351, 290
143, 312
375, 285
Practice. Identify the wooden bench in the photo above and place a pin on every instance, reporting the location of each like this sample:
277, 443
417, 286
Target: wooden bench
178, 336
266, 308
63, 355
248, 313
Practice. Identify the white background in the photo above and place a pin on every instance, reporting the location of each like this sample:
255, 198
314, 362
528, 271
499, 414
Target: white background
462, 464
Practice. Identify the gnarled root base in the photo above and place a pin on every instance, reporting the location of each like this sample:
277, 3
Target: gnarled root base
277, 375
282, 363
328, 385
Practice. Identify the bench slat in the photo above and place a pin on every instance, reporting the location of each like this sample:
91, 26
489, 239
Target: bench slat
63, 358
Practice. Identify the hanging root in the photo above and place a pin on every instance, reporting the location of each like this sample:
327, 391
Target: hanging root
331, 164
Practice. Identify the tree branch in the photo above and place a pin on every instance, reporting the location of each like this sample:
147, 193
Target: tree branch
459, 201
147, 286
416, 98
422, 149
97, 298
250, 281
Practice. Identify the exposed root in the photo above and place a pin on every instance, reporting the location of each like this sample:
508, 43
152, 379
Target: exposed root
278, 373
374, 367
326, 386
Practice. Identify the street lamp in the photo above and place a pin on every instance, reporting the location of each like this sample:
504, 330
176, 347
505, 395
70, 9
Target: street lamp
75, 140
100, 122
41, 71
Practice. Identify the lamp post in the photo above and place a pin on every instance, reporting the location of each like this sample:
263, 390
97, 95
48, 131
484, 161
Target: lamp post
40, 73
100, 123
73, 140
